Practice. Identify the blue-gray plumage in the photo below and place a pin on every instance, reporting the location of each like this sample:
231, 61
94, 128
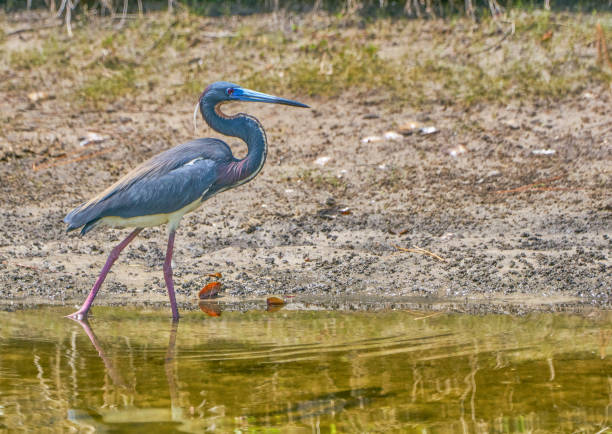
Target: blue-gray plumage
165, 183
164, 188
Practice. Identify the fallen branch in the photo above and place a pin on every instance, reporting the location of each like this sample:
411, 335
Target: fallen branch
417, 249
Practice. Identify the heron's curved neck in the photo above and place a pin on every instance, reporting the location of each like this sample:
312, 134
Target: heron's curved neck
245, 127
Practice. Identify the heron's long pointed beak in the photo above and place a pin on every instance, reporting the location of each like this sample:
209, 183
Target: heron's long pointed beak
251, 95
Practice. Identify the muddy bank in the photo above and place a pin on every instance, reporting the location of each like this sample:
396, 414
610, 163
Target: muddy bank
513, 200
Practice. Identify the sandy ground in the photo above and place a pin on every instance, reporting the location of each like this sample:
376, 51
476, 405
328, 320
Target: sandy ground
514, 200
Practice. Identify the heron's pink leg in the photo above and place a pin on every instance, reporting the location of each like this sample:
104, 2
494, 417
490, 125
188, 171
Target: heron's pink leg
168, 275
82, 312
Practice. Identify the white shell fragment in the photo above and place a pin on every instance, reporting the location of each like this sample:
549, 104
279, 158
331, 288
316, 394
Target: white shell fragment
457, 150
392, 135
409, 127
37, 96
91, 137
543, 151
428, 130
322, 161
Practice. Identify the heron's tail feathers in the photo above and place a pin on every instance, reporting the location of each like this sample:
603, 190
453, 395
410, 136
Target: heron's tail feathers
80, 216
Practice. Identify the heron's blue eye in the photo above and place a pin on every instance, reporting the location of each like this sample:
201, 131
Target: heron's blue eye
229, 91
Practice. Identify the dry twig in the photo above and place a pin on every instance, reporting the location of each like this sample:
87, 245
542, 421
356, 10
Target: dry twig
31, 267
534, 186
62, 160
417, 249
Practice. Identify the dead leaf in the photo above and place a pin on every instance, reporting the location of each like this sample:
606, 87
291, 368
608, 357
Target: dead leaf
274, 301
546, 36
217, 275
209, 291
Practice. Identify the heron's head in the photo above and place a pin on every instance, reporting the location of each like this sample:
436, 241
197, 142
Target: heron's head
222, 91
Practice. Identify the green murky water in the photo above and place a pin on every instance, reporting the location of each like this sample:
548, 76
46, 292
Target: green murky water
304, 371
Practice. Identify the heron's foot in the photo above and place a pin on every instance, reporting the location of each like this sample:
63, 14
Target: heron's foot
79, 315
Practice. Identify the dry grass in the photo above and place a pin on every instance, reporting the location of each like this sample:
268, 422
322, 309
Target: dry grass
417, 62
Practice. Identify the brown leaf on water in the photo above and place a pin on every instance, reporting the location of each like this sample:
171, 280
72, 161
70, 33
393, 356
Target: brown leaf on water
217, 275
273, 308
210, 309
274, 301
209, 291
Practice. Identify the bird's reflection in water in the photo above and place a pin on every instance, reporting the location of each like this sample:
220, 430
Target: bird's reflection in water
113, 373
105, 419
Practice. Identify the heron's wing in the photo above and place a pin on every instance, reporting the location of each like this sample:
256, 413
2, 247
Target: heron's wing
161, 185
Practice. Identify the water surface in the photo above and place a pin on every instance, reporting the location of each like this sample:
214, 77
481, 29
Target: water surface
133, 370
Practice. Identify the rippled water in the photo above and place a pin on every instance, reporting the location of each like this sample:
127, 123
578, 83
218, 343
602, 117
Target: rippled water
301, 371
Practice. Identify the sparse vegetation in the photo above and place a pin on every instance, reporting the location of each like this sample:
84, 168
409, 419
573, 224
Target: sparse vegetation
101, 88
548, 55
320, 179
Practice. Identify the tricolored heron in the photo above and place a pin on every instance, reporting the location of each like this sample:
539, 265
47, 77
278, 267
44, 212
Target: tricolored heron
169, 185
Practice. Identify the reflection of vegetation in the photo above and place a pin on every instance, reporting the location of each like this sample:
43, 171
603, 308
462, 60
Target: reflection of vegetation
358, 372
